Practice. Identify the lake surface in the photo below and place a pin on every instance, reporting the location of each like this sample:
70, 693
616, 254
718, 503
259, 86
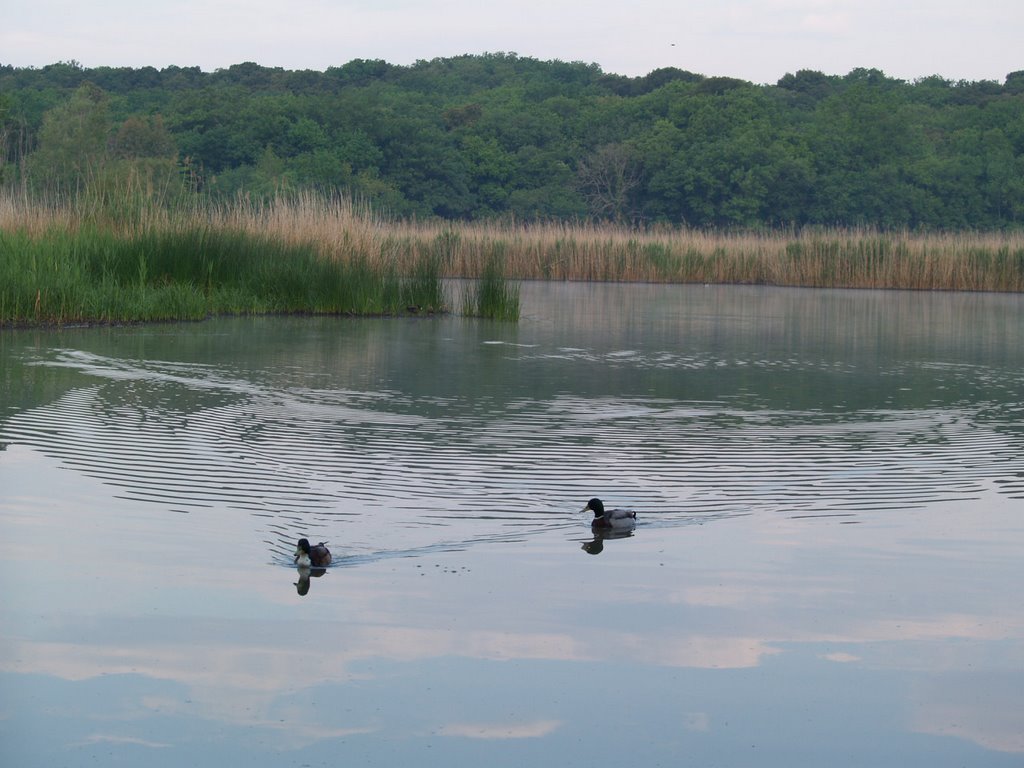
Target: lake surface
827, 568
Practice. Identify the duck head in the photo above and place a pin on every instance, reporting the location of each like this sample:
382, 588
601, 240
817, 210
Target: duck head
302, 548
595, 506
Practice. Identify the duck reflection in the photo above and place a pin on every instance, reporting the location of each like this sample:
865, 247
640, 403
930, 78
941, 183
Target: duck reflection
596, 546
305, 574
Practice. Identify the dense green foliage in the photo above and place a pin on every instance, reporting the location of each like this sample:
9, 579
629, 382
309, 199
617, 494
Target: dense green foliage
189, 273
503, 136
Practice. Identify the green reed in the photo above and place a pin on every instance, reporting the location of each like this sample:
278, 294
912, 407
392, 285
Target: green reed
188, 272
492, 296
93, 258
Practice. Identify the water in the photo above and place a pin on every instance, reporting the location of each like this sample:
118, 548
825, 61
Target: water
826, 570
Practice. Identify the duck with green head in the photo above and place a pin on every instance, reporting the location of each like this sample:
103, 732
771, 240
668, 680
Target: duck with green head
312, 556
616, 519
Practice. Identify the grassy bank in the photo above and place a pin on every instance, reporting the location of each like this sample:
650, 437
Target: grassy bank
191, 272
70, 264
79, 262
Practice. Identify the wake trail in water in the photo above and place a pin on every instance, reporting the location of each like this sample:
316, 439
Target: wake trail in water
393, 476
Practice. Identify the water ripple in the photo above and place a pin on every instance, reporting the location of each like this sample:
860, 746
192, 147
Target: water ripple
193, 438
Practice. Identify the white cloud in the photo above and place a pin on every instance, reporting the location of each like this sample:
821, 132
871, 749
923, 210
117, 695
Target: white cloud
831, 23
759, 40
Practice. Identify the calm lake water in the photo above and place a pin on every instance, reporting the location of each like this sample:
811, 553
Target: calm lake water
827, 570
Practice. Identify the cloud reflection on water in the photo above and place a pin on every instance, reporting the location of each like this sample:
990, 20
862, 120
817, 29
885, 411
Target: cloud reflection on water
238, 669
532, 730
462, 608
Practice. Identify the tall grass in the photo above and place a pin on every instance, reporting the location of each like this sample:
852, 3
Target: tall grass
492, 296
60, 272
87, 259
965, 261
833, 258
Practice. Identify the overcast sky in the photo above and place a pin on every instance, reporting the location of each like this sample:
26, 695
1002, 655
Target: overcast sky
757, 40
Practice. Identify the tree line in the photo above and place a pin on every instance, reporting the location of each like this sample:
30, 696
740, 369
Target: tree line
499, 135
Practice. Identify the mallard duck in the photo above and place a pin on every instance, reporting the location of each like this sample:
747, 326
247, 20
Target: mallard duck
316, 556
611, 518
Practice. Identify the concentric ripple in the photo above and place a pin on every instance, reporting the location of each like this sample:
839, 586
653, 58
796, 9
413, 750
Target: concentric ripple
418, 472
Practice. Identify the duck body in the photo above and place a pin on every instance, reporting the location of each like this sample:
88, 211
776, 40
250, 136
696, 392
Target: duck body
312, 556
609, 519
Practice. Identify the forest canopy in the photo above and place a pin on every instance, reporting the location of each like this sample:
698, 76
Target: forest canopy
504, 136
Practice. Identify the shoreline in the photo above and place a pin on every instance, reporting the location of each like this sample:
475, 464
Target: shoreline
76, 264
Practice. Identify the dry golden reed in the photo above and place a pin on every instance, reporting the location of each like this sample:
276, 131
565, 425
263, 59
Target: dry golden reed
837, 258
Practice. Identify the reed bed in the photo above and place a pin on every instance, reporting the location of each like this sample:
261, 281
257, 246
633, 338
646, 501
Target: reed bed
823, 258
74, 261
492, 296
58, 267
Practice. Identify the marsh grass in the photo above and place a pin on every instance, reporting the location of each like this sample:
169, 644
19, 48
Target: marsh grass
827, 258
92, 260
191, 271
492, 296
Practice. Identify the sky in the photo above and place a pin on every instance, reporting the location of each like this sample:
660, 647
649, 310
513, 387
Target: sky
756, 40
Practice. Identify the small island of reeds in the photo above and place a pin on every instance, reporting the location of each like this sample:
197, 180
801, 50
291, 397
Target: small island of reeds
83, 262
86, 264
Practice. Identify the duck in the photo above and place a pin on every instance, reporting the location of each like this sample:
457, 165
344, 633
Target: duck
612, 518
315, 556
